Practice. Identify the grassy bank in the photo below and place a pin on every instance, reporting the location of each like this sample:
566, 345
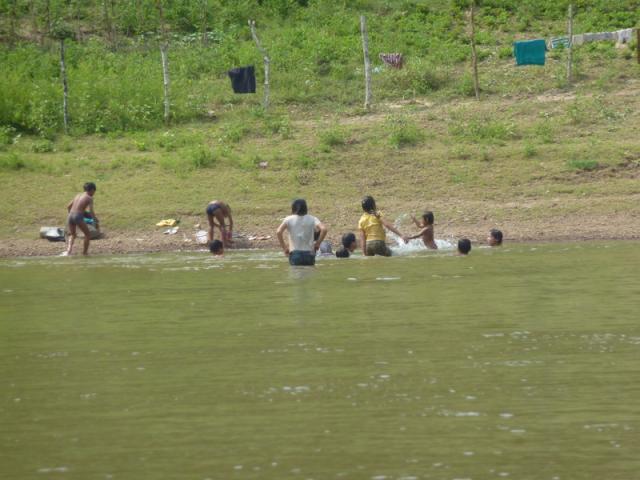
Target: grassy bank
554, 164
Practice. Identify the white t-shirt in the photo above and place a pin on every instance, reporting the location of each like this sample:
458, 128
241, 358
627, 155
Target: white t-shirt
301, 228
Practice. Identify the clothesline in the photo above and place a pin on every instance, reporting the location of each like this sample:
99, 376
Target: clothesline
621, 37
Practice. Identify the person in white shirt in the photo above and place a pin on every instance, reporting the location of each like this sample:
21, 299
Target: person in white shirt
301, 248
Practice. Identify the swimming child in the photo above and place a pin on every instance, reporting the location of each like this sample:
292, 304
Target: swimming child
218, 210
464, 246
426, 232
372, 232
495, 238
349, 244
301, 226
75, 219
216, 247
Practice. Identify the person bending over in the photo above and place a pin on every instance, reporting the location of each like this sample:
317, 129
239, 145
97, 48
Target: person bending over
218, 210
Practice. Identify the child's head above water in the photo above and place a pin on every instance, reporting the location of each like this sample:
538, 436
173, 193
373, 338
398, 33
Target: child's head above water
464, 246
369, 204
349, 241
299, 207
427, 218
348, 245
216, 247
495, 238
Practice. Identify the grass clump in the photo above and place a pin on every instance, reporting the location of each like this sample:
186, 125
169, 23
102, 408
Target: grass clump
202, 157
403, 132
334, 137
484, 129
583, 165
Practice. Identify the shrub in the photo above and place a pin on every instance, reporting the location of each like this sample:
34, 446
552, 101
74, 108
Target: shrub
43, 146
529, 150
333, 137
202, 157
484, 129
12, 162
403, 132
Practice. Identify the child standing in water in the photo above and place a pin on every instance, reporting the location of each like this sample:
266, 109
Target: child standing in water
301, 227
426, 230
372, 232
75, 220
218, 210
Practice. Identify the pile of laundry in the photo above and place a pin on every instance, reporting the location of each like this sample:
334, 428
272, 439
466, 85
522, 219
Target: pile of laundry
169, 222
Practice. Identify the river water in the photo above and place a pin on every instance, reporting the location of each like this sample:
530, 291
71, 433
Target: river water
517, 362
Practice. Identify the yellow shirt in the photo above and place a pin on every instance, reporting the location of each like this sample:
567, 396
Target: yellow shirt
372, 227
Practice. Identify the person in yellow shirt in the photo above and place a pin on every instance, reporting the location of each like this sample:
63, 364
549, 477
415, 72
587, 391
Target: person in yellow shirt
372, 232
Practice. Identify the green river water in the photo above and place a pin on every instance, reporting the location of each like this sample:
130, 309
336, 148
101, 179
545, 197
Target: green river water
521, 362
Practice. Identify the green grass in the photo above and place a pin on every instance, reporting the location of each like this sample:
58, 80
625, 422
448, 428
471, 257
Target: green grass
526, 150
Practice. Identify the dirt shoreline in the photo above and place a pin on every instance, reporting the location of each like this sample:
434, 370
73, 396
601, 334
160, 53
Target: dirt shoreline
149, 241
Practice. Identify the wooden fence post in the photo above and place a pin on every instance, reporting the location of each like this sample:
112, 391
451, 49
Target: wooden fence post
570, 49
166, 81
65, 89
164, 54
265, 58
367, 63
474, 56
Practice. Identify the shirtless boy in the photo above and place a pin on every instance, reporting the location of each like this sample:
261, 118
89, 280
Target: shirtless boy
218, 210
426, 230
75, 220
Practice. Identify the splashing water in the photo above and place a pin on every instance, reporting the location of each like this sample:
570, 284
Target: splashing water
415, 245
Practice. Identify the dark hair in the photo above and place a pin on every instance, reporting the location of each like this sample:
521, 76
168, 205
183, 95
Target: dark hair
343, 253
89, 186
348, 239
216, 246
428, 217
496, 235
464, 245
299, 207
369, 205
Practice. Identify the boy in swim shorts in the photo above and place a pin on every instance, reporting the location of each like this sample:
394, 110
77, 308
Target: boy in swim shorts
75, 219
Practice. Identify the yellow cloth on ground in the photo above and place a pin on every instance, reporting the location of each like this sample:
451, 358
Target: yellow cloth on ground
372, 226
170, 222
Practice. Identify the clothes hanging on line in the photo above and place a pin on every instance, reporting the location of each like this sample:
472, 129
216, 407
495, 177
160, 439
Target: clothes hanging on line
619, 36
530, 52
394, 60
558, 42
243, 79
625, 35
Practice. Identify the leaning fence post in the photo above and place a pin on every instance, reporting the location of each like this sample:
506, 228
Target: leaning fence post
474, 56
265, 57
367, 64
570, 49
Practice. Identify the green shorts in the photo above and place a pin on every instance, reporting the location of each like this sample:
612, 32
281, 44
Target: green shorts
377, 247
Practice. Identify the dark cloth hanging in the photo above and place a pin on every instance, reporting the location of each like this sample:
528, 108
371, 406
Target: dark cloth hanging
530, 52
243, 79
